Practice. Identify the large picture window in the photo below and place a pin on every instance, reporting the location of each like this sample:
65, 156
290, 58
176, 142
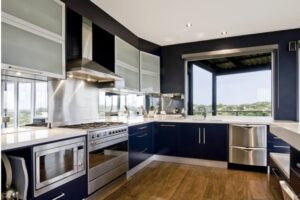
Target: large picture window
233, 86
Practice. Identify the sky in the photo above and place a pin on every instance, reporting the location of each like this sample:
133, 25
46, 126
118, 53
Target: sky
232, 89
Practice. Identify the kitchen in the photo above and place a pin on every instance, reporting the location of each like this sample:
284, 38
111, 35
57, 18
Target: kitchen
99, 102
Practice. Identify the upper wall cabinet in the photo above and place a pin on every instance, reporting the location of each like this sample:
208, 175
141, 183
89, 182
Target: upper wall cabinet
150, 73
33, 37
127, 64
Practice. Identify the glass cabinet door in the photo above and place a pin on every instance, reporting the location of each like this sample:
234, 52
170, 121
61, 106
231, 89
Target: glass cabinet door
131, 77
47, 14
24, 49
126, 53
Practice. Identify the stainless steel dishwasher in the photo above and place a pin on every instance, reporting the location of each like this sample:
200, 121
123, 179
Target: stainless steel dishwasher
248, 145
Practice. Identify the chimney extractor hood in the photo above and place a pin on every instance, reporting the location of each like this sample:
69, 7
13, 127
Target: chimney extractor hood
85, 68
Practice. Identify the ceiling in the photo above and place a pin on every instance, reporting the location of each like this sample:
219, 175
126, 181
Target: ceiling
260, 61
164, 21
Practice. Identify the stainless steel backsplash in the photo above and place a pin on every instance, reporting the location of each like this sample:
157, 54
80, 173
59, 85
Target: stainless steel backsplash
73, 101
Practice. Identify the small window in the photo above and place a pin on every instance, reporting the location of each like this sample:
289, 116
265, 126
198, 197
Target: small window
8, 106
202, 90
23, 100
41, 100
24, 103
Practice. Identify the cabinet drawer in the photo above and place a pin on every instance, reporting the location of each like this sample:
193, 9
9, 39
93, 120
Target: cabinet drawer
75, 190
248, 136
248, 156
278, 148
139, 128
140, 148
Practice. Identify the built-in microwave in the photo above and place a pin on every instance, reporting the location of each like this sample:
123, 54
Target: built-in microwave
58, 163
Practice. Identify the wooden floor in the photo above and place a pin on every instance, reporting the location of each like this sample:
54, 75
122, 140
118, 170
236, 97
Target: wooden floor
163, 181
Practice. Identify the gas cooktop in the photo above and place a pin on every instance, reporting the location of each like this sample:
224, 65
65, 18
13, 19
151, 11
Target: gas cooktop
94, 125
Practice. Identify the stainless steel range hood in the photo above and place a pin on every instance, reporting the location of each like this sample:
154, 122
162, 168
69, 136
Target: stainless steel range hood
85, 68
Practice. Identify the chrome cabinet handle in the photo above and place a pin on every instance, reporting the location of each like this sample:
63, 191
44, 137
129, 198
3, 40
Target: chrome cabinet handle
144, 135
59, 196
278, 146
144, 127
204, 134
167, 125
199, 136
144, 150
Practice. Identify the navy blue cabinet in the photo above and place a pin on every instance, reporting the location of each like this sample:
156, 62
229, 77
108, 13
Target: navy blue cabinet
191, 144
140, 143
205, 141
166, 139
275, 144
295, 170
215, 142
75, 190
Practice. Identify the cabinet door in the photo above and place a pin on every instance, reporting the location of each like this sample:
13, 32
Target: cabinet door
75, 190
140, 143
215, 142
150, 72
127, 53
191, 144
24, 49
47, 14
167, 139
140, 146
127, 64
130, 75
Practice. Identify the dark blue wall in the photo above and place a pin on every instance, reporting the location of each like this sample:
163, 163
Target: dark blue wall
172, 71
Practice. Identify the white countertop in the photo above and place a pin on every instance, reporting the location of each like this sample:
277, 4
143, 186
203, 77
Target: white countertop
195, 119
289, 132
21, 137
282, 160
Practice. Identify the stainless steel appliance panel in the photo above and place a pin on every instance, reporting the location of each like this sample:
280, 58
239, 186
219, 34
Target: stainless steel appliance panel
106, 166
73, 101
107, 177
58, 163
248, 156
248, 136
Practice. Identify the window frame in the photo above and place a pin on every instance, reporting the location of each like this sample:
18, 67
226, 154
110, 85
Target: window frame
272, 48
17, 81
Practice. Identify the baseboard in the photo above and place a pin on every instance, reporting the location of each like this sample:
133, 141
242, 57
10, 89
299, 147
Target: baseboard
190, 161
139, 167
263, 169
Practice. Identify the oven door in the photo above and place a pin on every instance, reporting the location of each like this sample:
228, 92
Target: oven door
106, 164
107, 158
58, 163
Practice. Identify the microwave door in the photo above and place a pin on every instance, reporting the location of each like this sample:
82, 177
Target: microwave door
55, 164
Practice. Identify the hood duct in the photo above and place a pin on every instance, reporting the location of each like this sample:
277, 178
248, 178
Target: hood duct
85, 68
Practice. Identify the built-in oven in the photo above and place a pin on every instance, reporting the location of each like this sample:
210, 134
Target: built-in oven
58, 163
107, 158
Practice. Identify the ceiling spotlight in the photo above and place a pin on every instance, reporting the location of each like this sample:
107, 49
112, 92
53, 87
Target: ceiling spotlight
188, 25
18, 73
71, 76
224, 33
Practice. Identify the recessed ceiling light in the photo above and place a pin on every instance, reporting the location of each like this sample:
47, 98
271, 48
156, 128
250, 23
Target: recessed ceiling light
224, 33
18, 73
189, 25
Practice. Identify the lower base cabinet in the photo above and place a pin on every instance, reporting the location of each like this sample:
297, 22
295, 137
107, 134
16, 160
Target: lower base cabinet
140, 144
75, 190
204, 141
192, 140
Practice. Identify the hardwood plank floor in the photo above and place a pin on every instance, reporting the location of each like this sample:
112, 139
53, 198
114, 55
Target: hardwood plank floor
171, 181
